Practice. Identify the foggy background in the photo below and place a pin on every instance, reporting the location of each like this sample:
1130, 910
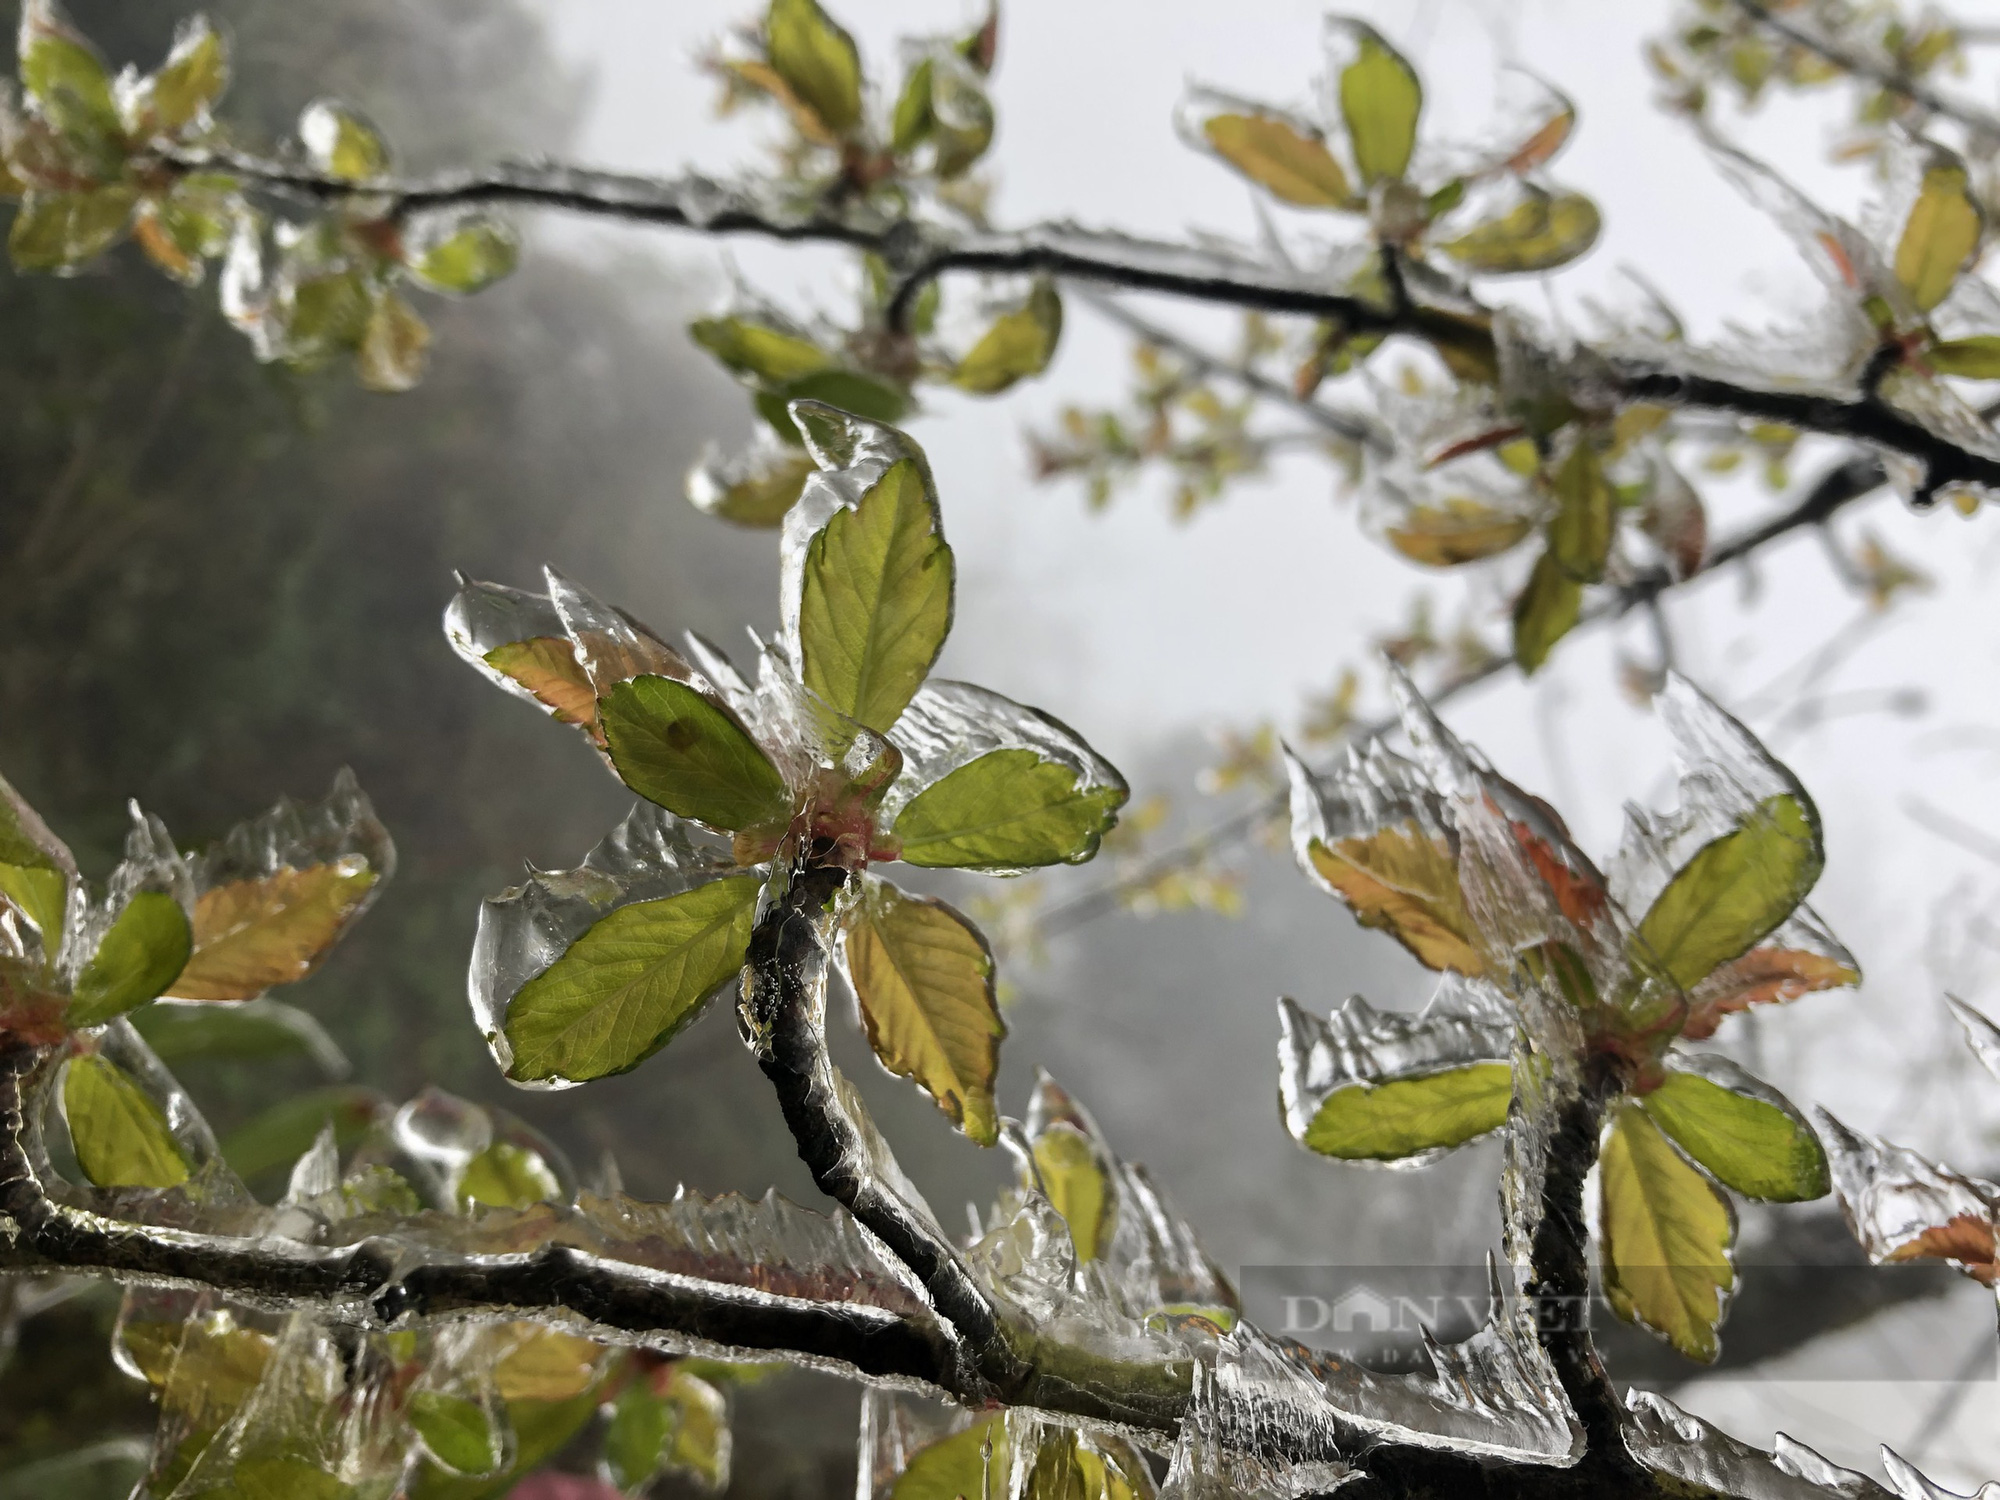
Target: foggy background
221, 582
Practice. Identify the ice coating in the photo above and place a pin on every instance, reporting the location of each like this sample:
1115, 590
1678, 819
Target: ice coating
1772, 972
610, 645
1663, 1437
482, 617
340, 829
894, 1428
1940, 411
1466, 1021
1981, 1035
803, 734
951, 724
442, 1132
151, 863
717, 481
1255, 1427
1912, 1483
1901, 1206
527, 927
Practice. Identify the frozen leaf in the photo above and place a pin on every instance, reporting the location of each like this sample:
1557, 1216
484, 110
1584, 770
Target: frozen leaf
817, 60
1735, 891
756, 488
120, 1135
1975, 358
190, 81
971, 1464
1540, 232
868, 578
457, 1432
1941, 233
1287, 157
463, 256
505, 1175
57, 231
1020, 343
1369, 1086
1742, 1130
62, 74
1077, 1185
1550, 604
911, 121
610, 645
547, 669
253, 1031
1675, 519
1586, 510
1062, 1463
141, 954
701, 1439
1458, 529
37, 872
279, 892
846, 390
1981, 1035
1796, 959
768, 354
685, 750
923, 977
1665, 1438
1667, 1234
340, 142
1373, 834
1902, 1207
1380, 99
286, 1131
961, 118
395, 343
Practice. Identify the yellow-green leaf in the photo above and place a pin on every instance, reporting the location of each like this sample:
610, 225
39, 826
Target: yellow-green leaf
913, 119
546, 666
1749, 1143
63, 74
341, 143
1019, 344
505, 1175
1279, 156
817, 60
1403, 881
674, 746
1735, 891
474, 256
252, 934
756, 349
1460, 530
1976, 358
700, 1444
143, 952
394, 345
36, 870
1008, 810
1076, 1184
192, 78
875, 601
627, 986
1547, 610
286, 1131
1406, 1116
1667, 1235
1380, 98
924, 979
1538, 234
1586, 506
120, 1135
60, 231
968, 1465
1940, 235
459, 1433
758, 492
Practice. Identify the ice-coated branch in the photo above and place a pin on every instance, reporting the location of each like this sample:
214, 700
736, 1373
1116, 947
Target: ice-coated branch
919, 253
1839, 487
1861, 65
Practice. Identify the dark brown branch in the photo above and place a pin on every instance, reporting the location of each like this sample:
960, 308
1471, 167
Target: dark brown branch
1876, 71
1839, 487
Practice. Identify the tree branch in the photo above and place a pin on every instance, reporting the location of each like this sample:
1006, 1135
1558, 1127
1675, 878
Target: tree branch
1859, 63
1837, 488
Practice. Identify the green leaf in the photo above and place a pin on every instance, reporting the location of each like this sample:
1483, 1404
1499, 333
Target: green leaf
1547, 611
255, 1031
507, 1176
59, 231
750, 348
1008, 810
395, 345
1276, 155
36, 869
192, 78
1380, 98
266, 1476
701, 1430
458, 1432
341, 143
1976, 358
968, 1465
1407, 1116
286, 1131
635, 1443
628, 985
923, 977
1460, 529
1586, 506
1667, 1232
1736, 890
474, 256
1538, 234
817, 60
913, 119
859, 394
120, 1135
875, 600
1941, 234
1019, 344
758, 490
143, 952
1750, 1140
1077, 1185
673, 745
63, 74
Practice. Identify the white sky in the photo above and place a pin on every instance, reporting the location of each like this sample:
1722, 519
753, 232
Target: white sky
1135, 628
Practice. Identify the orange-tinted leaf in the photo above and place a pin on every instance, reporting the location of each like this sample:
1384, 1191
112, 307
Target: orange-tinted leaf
1405, 882
1768, 975
1544, 143
1460, 530
547, 667
252, 934
1966, 1241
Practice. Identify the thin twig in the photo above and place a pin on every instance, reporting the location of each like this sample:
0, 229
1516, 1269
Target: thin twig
1859, 63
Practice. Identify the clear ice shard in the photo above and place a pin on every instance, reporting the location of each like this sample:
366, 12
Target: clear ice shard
1912, 1483
1901, 1206
527, 927
151, 863
1466, 1021
482, 617
1981, 1035
1663, 1437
